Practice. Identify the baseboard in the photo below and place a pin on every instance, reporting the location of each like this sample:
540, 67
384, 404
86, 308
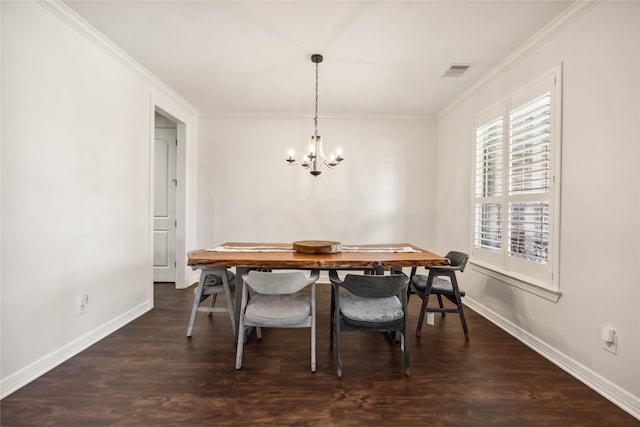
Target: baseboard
601, 385
29, 373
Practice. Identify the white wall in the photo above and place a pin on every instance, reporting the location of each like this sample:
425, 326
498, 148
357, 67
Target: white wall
382, 191
600, 221
76, 190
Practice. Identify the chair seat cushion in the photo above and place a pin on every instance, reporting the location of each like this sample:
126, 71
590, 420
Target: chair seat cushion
378, 310
278, 310
215, 279
213, 284
419, 281
441, 285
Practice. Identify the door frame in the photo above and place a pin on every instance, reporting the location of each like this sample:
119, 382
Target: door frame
182, 281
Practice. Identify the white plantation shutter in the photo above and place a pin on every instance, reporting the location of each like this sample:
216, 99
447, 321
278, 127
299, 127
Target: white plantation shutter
489, 183
530, 174
529, 144
488, 228
515, 201
529, 231
489, 141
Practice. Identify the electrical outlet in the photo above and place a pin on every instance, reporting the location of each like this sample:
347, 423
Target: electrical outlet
84, 300
431, 318
610, 338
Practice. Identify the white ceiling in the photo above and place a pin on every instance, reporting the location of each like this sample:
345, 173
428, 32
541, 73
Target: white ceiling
380, 57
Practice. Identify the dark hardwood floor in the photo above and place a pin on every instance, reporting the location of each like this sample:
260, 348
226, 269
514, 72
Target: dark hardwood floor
148, 373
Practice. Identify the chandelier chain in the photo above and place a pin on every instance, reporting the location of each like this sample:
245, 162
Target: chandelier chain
315, 118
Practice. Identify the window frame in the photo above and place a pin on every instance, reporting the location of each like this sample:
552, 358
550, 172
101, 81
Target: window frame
539, 279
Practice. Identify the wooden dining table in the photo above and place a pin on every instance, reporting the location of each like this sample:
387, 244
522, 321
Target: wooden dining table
375, 258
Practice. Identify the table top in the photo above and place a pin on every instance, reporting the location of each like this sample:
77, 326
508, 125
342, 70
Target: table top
282, 255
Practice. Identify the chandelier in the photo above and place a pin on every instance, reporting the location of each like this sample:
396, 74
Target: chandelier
315, 158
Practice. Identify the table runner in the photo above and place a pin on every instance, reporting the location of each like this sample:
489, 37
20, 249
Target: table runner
345, 248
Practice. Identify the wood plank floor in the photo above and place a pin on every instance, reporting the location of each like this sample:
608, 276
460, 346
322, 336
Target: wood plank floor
148, 374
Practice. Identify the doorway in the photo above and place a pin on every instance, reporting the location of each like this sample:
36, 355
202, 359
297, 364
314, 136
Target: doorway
164, 200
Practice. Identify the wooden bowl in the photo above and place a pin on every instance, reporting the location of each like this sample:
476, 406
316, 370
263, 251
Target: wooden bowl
316, 247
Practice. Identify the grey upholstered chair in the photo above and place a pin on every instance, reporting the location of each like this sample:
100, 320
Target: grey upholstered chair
441, 281
216, 281
276, 302
370, 303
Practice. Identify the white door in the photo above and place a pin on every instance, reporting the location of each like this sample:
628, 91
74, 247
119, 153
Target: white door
164, 210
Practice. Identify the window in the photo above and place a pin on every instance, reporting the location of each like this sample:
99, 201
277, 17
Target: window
516, 185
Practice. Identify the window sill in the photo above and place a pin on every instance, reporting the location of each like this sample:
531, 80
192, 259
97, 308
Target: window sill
519, 282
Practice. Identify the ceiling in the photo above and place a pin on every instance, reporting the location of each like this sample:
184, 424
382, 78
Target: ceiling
380, 57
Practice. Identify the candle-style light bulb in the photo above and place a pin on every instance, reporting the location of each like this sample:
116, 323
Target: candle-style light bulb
290, 159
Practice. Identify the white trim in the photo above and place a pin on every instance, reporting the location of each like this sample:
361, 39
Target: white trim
62, 11
258, 115
43, 365
595, 381
525, 283
554, 27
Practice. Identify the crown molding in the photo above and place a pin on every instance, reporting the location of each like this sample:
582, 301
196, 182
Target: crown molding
550, 30
75, 21
329, 116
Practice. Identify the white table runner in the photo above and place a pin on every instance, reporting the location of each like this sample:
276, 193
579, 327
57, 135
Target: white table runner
390, 249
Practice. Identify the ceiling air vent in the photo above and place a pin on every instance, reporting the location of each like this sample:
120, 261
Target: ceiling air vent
456, 70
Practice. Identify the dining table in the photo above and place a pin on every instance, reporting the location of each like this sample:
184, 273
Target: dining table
244, 256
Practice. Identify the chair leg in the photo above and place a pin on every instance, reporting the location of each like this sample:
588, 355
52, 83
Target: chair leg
331, 333
331, 317
336, 324
464, 323
405, 340
421, 317
196, 303
313, 328
440, 304
241, 328
339, 353
313, 347
213, 303
240, 345
462, 319
458, 301
406, 353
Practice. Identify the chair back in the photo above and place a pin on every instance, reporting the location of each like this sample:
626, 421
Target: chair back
277, 283
457, 259
371, 286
